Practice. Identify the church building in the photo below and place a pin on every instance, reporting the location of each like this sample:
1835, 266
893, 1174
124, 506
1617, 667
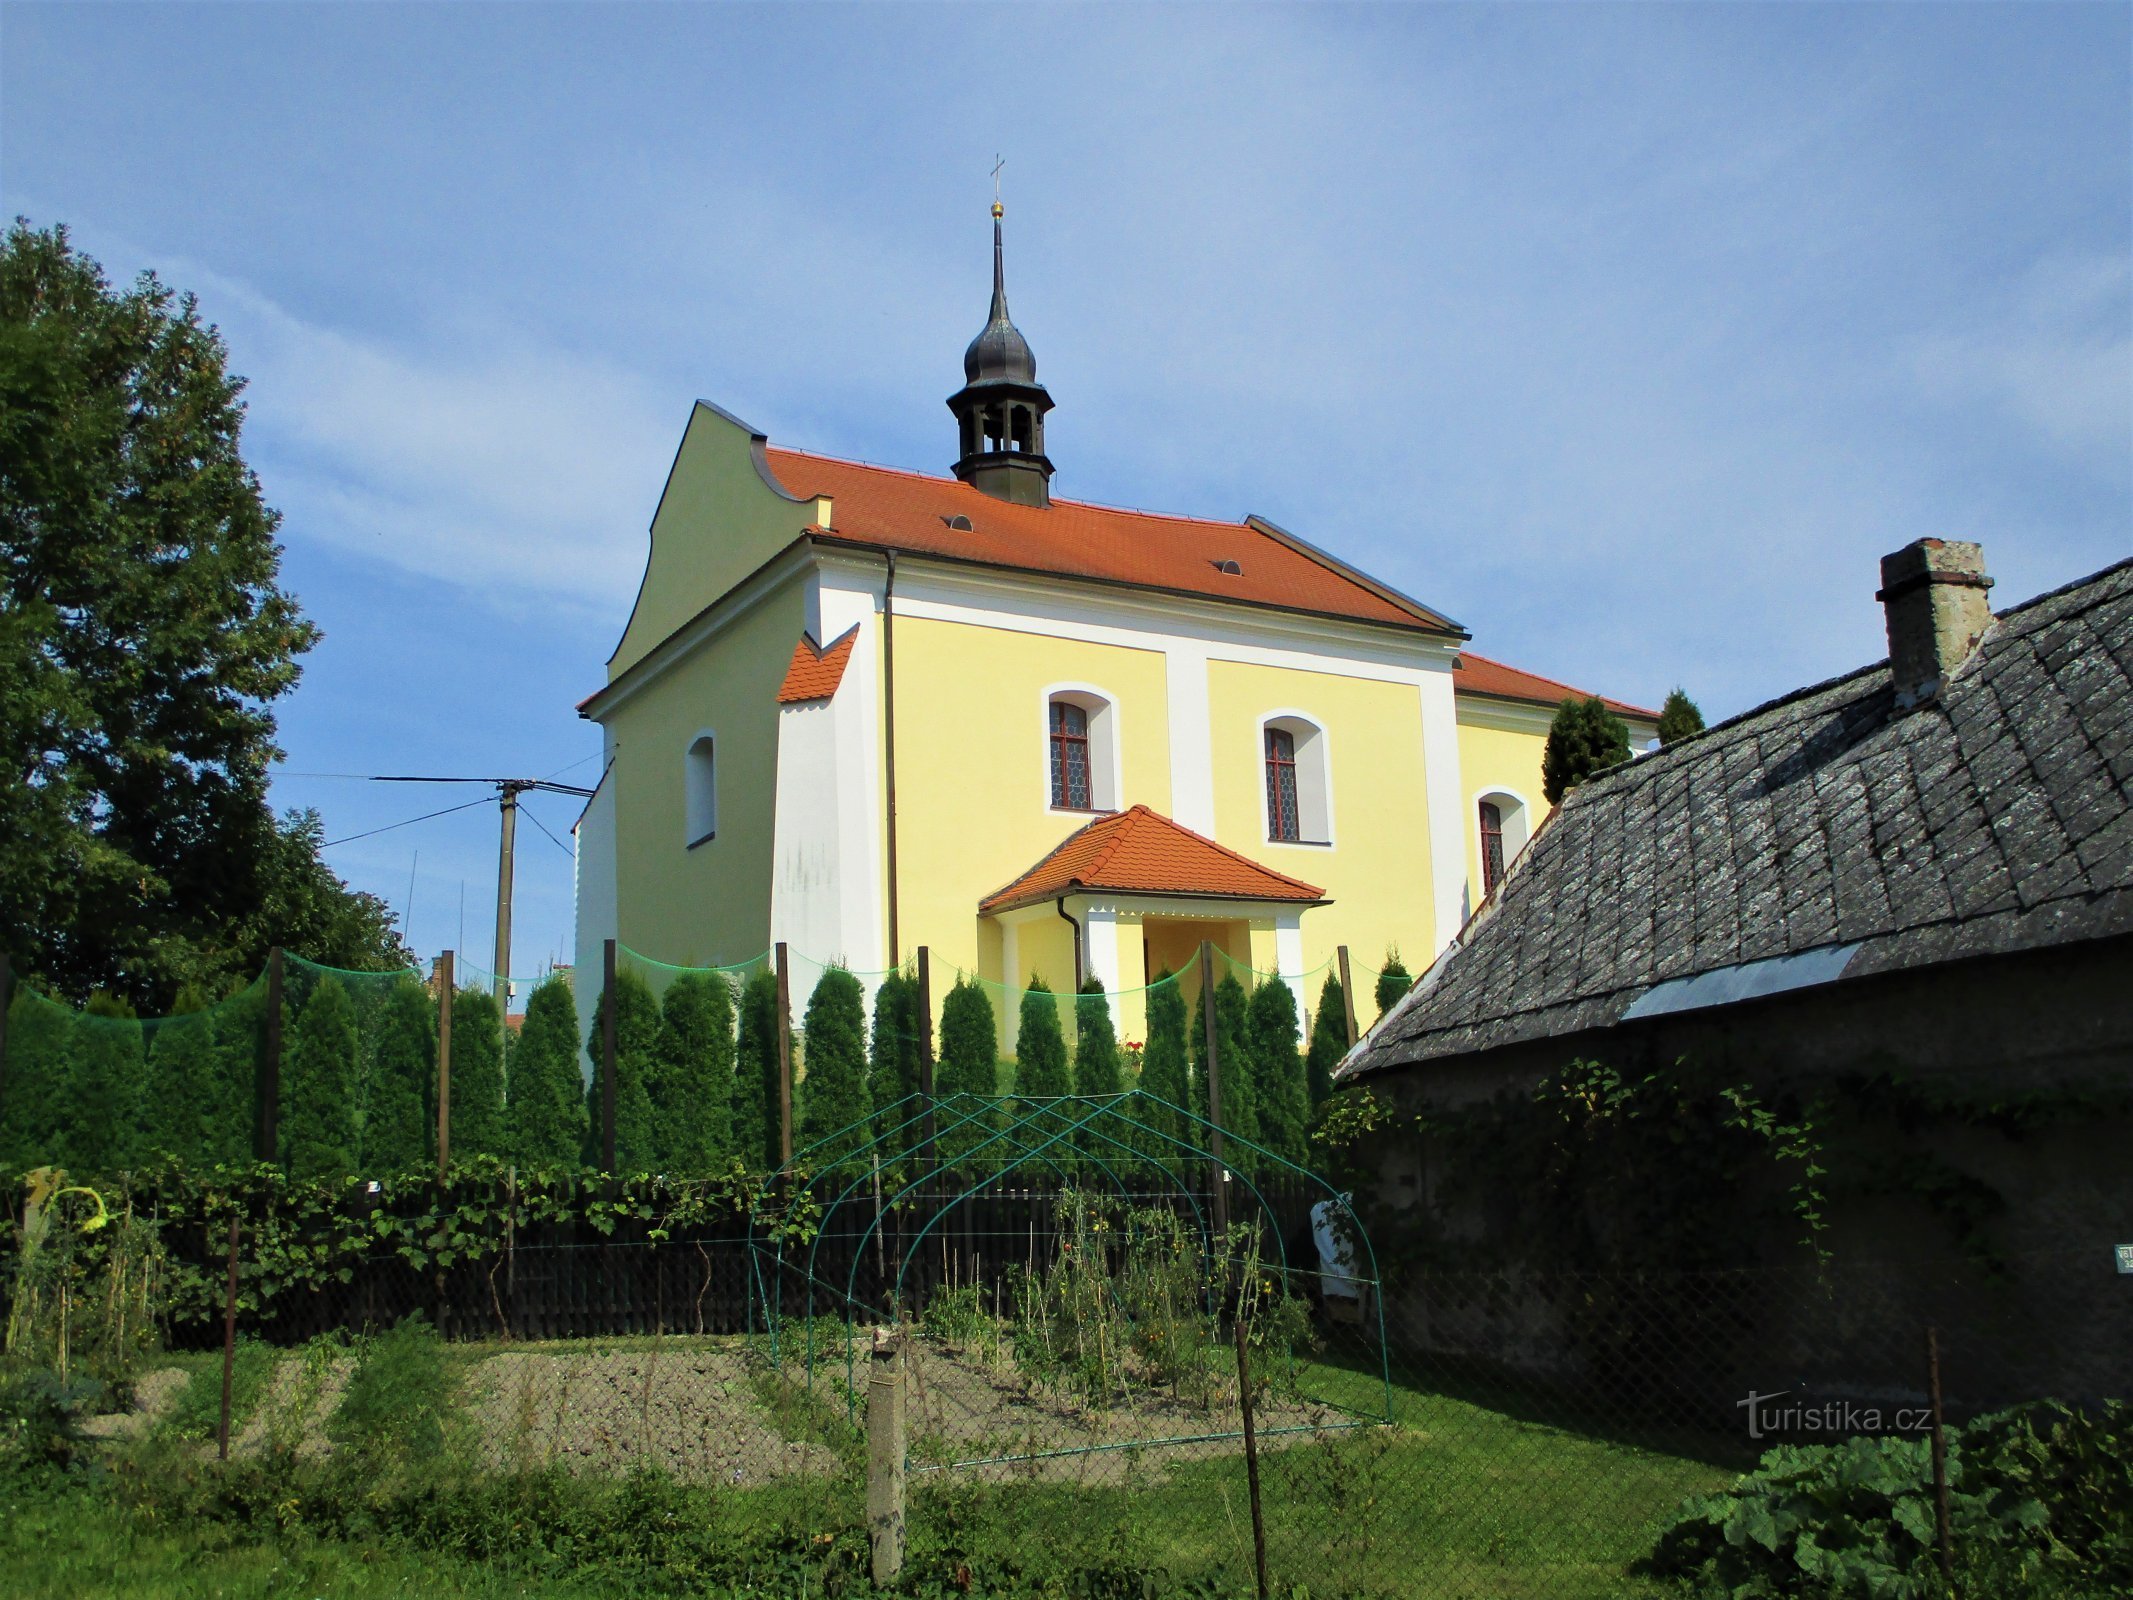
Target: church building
860, 710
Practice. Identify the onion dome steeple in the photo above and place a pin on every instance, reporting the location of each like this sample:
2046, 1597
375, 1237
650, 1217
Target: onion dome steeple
1000, 409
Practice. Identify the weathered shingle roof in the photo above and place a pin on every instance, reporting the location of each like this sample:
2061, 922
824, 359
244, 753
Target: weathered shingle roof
1996, 818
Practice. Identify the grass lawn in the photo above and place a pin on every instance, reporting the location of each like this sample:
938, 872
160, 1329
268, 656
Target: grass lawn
1467, 1495
76, 1544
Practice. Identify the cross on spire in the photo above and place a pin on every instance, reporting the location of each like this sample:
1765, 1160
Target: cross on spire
998, 161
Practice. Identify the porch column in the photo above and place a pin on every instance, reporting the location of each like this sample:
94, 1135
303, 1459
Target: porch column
1099, 940
1289, 954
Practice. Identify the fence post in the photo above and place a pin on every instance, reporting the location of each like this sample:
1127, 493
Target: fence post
607, 1058
270, 1091
784, 1059
1251, 1447
7, 995
1347, 996
1942, 1535
885, 1455
445, 990
1214, 1090
229, 1344
925, 1040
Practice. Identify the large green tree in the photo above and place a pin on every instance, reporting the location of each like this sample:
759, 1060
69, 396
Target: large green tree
1040, 1046
1329, 1040
895, 1059
636, 1068
833, 1094
143, 640
1679, 718
317, 1116
546, 1094
756, 1103
480, 1119
1240, 1110
1278, 1092
1394, 980
692, 1112
1584, 738
970, 1064
399, 1092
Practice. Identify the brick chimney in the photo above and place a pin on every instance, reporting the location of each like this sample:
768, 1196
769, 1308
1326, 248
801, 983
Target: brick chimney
1933, 594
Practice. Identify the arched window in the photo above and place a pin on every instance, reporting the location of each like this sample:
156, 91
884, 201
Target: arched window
1282, 820
1070, 756
1502, 828
1081, 748
700, 790
1491, 846
1298, 793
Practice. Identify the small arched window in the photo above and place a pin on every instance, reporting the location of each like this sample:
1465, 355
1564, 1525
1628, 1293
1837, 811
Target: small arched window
700, 790
1298, 798
1491, 846
1070, 756
1282, 819
1080, 748
1502, 829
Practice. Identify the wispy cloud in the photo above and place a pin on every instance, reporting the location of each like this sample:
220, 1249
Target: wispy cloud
487, 461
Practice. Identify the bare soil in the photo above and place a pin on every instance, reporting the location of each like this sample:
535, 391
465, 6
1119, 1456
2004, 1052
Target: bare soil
993, 1421
691, 1410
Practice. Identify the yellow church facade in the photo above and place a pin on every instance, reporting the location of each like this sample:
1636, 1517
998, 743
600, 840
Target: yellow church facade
859, 711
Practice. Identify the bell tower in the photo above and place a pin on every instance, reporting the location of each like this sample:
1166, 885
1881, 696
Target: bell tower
999, 411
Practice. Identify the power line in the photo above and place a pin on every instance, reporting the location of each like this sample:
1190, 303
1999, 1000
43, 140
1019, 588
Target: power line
410, 822
538, 823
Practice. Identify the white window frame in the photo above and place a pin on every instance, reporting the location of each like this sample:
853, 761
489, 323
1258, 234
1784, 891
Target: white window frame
699, 789
1517, 818
1106, 792
1314, 779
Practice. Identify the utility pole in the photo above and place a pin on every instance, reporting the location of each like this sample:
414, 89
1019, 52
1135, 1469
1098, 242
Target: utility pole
507, 792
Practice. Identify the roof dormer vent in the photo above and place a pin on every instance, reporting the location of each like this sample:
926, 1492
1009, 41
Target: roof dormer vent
1234, 569
959, 522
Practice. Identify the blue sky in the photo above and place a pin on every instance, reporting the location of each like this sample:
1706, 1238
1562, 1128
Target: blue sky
1630, 336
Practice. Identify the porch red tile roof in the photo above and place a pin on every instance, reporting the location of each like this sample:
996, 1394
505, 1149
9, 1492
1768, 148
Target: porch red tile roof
1139, 851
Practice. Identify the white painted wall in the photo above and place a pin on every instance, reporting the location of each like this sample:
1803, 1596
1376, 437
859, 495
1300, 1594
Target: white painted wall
828, 896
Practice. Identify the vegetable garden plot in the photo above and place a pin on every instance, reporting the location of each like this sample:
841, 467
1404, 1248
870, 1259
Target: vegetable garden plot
1110, 1318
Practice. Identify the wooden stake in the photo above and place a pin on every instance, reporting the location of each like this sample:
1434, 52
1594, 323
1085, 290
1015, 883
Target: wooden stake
1943, 1536
1213, 1036
885, 1456
229, 1347
1348, 997
784, 1059
445, 990
607, 1058
270, 1091
1251, 1447
925, 1040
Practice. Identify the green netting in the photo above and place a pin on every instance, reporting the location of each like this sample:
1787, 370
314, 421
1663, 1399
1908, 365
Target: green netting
1122, 1247
99, 1091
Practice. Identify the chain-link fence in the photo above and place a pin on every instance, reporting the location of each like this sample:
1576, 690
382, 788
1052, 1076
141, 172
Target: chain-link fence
1067, 1394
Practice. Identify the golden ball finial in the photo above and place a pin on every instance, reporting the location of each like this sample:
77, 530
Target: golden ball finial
998, 211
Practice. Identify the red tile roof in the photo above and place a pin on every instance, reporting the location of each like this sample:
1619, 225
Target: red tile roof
816, 672
1480, 675
886, 508
1143, 852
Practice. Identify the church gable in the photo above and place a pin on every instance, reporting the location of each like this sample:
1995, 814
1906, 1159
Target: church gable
722, 514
